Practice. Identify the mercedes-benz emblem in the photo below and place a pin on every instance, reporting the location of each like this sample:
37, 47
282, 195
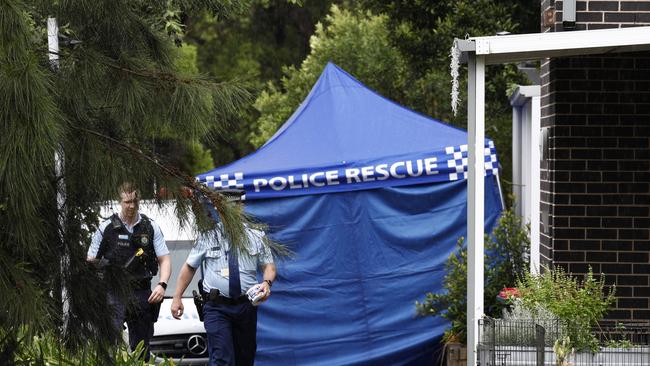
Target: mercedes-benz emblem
197, 345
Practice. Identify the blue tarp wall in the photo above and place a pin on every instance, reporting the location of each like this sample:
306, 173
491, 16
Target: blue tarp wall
371, 197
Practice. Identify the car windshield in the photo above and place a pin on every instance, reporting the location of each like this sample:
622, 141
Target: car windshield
178, 251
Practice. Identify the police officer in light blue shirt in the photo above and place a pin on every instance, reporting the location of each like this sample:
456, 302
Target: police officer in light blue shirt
230, 318
133, 243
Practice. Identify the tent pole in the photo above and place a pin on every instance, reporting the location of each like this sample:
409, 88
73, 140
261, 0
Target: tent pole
475, 201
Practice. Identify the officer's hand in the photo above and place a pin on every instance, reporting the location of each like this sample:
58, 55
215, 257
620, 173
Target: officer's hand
157, 295
177, 308
267, 291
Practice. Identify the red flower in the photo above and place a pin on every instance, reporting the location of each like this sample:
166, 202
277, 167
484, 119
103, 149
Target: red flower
508, 293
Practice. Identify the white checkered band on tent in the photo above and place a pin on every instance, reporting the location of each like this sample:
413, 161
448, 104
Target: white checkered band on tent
458, 161
225, 181
491, 163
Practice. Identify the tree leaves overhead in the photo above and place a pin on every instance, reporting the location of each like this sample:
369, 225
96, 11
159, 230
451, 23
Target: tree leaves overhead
127, 103
424, 32
31, 126
358, 42
253, 45
118, 89
401, 49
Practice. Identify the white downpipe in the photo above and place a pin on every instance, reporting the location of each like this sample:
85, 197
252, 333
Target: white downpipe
526, 154
53, 56
53, 43
517, 183
534, 182
475, 201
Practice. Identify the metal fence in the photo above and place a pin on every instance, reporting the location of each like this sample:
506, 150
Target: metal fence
528, 342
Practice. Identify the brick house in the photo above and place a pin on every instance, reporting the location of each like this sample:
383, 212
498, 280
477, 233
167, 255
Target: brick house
595, 166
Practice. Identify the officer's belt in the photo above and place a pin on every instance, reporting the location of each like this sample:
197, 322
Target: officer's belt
215, 297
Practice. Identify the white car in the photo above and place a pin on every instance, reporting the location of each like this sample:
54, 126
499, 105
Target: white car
183, 340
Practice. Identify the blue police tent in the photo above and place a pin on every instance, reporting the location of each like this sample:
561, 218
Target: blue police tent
371, 197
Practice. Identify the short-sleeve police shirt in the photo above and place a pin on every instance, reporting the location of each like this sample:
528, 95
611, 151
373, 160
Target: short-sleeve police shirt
213, 249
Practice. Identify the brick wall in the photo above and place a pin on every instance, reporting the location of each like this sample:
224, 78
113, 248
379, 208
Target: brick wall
603, 14
596, 175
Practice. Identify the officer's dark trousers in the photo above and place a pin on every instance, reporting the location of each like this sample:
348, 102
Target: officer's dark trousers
231, 331
138, 319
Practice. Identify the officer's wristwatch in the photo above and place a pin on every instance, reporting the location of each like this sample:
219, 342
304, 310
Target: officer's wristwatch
269, 282
163, 285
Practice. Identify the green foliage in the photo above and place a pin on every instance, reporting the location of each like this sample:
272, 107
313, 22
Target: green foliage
186, 61
258, 42
516, 324
563, 350
253, 47
31, 125
620, 339
122, 87
200, 159
46, 350
191, 155
401, 49
505, 260
581, 304
358, 42
452, 304
424, 31
124, 357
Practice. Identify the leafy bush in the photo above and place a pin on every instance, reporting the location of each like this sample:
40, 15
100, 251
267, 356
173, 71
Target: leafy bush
580, 304
506, 251
46, 350
452, 304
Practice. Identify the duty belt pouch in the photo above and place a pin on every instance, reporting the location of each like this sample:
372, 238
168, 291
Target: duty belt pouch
213, 295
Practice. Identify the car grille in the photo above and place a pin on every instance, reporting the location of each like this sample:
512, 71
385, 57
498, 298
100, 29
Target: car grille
186, 346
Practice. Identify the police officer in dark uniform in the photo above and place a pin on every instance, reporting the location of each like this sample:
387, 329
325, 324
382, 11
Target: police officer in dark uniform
134, 243
230, 318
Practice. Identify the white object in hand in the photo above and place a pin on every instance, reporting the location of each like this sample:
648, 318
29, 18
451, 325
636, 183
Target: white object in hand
255, 294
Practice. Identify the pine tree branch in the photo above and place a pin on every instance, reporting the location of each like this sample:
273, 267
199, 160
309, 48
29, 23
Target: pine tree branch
234, 223
149, 74
172, 172
159, 75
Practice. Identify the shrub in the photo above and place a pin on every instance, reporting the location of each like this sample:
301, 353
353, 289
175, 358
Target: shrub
580, 304
506, 251
452, 304
45, 349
